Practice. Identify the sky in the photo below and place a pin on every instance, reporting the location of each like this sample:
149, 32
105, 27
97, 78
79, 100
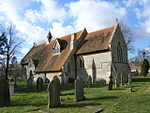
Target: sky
33, 19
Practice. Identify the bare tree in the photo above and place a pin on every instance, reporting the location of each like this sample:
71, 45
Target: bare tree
11, 46
2, 39
126, 31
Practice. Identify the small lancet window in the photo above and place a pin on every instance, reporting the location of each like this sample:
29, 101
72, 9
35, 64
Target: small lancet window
81, 62
119, 53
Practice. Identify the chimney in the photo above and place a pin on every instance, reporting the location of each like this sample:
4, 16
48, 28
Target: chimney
49, 37
73, 40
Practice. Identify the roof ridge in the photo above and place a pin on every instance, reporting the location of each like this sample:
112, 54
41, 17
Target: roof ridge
40, 44
103, 29
69, 34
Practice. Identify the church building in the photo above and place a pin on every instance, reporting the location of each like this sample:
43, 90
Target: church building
99, 54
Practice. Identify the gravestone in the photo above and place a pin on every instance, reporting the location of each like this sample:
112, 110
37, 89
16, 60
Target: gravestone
4, 92
129, 78
11, 90
30, 82
39, 84
79, 91
117, 80
110, 84
54, 93
89, 81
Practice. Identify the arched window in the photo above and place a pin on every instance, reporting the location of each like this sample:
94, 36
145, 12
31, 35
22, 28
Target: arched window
119, 53
81, 62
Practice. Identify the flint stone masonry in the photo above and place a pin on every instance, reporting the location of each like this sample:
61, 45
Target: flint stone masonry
79, 91
39, 84
4, 92
54, 93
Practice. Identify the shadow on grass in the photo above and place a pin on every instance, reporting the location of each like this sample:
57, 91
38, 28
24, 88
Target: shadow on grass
67, 94
141, 79
119, 89
26, 103
104, 98
29, 90
95, 85
78, 105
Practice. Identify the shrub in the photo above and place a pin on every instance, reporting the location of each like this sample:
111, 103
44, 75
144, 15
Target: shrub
144, 67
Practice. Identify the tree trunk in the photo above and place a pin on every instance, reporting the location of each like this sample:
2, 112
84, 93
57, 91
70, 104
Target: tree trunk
7, 67
15, 82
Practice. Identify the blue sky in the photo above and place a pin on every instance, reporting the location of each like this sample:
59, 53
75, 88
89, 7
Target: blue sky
34, 18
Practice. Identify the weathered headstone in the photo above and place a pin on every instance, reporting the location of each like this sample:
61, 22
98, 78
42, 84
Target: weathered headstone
89, 81
54, 93
39, 84
121, 78
30, 82
117, 80
4, 92
110, 84
11, 90
129, 78
79, 91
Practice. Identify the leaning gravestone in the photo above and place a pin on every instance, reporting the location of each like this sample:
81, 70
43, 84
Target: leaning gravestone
110, 84
89, 81
30, 82
4, 92
79, 93
54, 93
39, 84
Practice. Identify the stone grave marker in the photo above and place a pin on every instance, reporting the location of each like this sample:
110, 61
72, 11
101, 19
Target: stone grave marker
89, 81
4, 92
54, 93
129, 78
11, 90
79, 91
39, 84
110, 84
30, 82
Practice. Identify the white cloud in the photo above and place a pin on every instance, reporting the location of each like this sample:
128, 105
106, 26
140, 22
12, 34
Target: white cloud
24, 50
95, 14
147, 50
91, 14
30, 32
49, 11
59, 30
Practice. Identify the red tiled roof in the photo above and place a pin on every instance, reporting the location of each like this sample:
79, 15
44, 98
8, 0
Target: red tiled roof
96, 41
47, 61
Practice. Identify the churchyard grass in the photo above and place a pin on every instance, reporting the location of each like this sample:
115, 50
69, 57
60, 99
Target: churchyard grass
118, 100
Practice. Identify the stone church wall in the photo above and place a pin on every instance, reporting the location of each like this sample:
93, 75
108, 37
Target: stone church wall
120, 67
97, 65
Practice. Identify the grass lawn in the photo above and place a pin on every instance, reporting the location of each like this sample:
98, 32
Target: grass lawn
119, 100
